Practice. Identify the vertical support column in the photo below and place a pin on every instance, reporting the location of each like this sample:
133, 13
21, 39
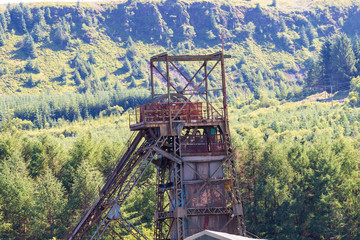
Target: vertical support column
152, 78
236, 196
237, 203
168, 89
180, 212
159, 202
224, 93
207, 91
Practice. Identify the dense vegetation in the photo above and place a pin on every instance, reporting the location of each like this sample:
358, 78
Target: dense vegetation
70, 75
300, 170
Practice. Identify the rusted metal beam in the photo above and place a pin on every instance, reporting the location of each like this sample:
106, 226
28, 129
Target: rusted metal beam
190, 81
165, 79
180, 58
177, 69
152, 78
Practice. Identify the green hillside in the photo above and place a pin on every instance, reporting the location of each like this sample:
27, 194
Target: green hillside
270, 45
71, 74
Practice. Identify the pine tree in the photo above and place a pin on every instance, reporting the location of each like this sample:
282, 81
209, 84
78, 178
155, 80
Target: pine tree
29, 46
39, 17
2, 36
77, 77
311, 32
17, 198
61, 36
28, 17
356, 49
92, 57
354, 95
50, 205
29, 64
7, 16
326, 63
313, 74
85, 187
96, 83
36, 68
129, 42
288, 43
63, 76
88, 19
283, 27
304, 37
258, 8
118, 85
3, 71
38, 33
3, 22
132, 82
48, 17
127, 66
33, 154
343, 62
106, 79
31, 82
17, 18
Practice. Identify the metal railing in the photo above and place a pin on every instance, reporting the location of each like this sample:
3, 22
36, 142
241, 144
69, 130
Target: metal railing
180, 112
202, 144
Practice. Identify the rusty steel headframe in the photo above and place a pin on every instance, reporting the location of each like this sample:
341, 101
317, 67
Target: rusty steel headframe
189, 143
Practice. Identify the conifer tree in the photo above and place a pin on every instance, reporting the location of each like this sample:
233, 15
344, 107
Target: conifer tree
48, 17
38, 33
39, 17
344, 61
7, 16
85, 187
2, 37
61, 36
311, 32
16, 198
92, 57
304, 38
50, 205
36, 68
29, 46
29, 64
127, 66
287, 43
356, 49
77, 77
313, 74
283, 27
63, 76
31, 82
28, 17
17, 18
326, 64
3, 22
118, 85
3, 70
132, 82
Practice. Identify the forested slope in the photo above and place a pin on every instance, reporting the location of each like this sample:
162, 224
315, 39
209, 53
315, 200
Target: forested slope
89, 48
70, 75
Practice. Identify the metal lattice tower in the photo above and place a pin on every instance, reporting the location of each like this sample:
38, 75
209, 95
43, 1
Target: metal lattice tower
186, 135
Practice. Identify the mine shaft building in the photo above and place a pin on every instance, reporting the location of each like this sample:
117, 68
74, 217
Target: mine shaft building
184, 131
